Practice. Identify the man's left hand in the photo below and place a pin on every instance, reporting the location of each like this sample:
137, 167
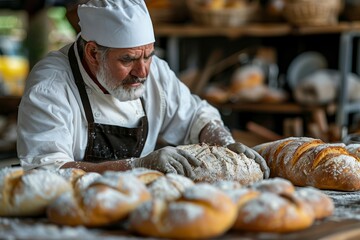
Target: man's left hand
252, 154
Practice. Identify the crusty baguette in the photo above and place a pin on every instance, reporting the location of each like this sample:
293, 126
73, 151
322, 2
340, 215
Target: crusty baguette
311, 162
220, 163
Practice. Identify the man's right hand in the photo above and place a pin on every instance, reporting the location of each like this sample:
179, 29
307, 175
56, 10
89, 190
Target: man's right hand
169, 160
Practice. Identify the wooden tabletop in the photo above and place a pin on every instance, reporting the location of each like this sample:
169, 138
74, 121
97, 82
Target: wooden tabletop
343, 224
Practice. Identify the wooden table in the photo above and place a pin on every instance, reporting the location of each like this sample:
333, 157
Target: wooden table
344, 224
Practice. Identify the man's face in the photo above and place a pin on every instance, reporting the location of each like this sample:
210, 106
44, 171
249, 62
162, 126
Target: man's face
124, 70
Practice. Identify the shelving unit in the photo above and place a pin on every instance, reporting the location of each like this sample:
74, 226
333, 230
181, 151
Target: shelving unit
174, 33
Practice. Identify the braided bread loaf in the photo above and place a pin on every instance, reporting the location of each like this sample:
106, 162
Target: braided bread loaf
28, 193
220, 163
311, 162
98, 201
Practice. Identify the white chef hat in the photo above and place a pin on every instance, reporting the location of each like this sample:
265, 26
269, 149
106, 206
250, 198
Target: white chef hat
116, 23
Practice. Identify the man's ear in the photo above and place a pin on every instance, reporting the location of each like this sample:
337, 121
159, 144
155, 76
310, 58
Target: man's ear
91, 53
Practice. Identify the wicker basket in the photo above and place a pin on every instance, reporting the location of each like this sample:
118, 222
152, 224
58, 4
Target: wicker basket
225, 17
312, 12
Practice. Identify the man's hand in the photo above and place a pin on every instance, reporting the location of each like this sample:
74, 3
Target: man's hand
252, 154
169, 160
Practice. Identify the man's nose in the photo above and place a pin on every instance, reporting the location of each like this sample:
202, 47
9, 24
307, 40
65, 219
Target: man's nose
139, 69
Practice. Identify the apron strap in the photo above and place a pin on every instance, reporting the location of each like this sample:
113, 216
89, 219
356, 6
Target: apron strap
80, 84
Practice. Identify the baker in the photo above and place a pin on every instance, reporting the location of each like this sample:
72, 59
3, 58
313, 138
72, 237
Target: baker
102, 102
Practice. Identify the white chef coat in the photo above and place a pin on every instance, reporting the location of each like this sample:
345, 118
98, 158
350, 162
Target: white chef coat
52, 126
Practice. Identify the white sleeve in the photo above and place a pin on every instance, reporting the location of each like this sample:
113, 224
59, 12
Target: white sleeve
45, 126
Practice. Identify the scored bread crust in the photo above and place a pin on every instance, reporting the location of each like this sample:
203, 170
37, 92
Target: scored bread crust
275, 205
103, 201
311, 162
29, 193
220, 163
270, 212
203, 211
322, 205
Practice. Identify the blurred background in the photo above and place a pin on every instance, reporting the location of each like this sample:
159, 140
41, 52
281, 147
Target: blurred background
274, 68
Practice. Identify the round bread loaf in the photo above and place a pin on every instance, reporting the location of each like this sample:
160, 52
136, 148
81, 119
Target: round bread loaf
220, 163
29, 193
203, 211
105, 200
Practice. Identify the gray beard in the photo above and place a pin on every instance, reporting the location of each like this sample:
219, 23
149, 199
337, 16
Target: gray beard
119, 92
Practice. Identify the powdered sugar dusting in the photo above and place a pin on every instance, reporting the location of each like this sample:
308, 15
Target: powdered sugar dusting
354, 149
118, 187
227, 185
169, 186
84, 181
204, 192
34, 191
15, 228
164, 189
266, 205
183, 212
347, 204
275, 185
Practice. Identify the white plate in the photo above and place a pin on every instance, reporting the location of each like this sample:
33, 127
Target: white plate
303, 65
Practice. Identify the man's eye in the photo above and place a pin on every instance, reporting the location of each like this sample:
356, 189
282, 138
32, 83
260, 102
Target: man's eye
126, 60
147, 58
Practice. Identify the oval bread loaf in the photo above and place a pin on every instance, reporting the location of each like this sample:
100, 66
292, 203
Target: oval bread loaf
322, 205
29, 193
105, 200
220, 163
270, 212
275, 205
203, 211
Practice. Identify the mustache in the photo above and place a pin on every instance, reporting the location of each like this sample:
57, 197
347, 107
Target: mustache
132, 80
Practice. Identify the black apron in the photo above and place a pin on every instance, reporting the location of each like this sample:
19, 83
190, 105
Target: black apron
108, 142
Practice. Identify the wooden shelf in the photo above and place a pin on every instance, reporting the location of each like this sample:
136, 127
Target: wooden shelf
280, 108
254, 29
